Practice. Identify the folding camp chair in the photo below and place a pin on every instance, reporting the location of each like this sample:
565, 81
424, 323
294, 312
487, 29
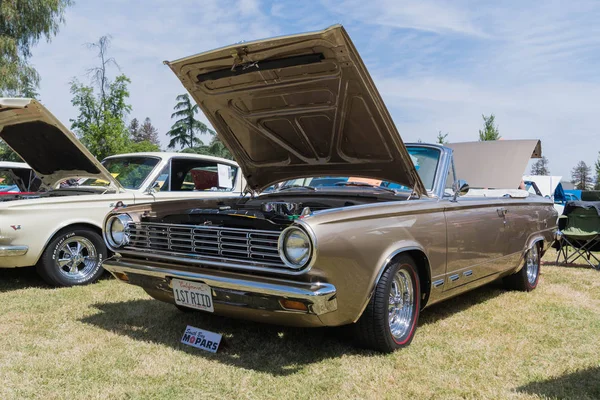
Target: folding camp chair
579, 230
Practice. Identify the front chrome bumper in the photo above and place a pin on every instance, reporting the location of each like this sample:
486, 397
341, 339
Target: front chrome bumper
246, 291
9, 251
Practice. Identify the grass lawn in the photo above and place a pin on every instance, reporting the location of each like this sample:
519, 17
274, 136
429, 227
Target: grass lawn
111, 340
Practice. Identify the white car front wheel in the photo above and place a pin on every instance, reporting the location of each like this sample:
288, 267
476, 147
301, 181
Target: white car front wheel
73, 257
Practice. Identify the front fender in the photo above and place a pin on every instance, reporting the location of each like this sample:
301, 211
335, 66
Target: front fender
352, 255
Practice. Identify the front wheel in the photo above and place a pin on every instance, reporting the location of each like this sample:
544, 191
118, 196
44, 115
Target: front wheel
390, 319
528, 277
73, 257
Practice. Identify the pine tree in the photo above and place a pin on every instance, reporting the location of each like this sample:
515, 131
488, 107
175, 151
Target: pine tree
490, 130
580, 176
540, 167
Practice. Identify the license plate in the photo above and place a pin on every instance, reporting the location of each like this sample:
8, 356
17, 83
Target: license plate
193, 295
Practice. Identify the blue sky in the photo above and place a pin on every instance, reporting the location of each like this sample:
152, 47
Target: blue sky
438, 64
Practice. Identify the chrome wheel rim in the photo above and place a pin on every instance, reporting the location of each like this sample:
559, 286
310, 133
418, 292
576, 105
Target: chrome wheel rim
77, 258
533, 265
401, 304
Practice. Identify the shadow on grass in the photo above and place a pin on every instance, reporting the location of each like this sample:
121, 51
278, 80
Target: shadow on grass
19, 278
27, 277
584, 384
460, 303
267, 348
571, 265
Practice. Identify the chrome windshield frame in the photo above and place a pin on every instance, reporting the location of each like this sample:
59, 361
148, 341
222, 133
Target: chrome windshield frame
443, 166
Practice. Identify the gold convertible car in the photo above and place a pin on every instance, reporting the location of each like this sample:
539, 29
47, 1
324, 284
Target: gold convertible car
342, 223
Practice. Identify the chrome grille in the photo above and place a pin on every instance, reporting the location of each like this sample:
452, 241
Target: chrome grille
246, 246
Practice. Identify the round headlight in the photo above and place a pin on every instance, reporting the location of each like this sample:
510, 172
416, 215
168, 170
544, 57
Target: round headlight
295, 247
117, 230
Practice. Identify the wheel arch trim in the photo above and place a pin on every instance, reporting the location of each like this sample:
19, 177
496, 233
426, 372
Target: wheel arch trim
63, 226
388, 260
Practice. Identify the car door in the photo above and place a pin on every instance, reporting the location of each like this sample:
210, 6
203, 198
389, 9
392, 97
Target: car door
477, 234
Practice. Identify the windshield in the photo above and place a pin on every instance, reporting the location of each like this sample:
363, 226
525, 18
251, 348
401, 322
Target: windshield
130, 172
424, 158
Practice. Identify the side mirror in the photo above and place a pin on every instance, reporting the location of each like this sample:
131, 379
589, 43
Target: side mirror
460, 188
151, 188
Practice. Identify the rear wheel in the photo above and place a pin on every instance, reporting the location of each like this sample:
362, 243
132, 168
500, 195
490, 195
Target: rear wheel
528, 277
73, 257
390, 319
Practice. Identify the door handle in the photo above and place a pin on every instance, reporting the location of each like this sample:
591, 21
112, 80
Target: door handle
502, 211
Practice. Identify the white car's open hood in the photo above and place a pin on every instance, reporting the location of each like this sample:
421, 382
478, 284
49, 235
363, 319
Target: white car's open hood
52, 151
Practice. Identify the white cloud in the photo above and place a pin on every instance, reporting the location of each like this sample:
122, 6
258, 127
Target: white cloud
426, 15
562, 114
439, 64
142, 39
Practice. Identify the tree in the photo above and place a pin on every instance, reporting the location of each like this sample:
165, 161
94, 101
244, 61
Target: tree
580, 176
101, 121
442, 138
216, 148
148, 133
98, 73
490, 130
183, 130
134, 129
597, 185
540, 167
22, 24
144, 145
7, 154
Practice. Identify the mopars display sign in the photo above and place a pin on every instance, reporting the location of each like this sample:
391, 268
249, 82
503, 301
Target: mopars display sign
201, 339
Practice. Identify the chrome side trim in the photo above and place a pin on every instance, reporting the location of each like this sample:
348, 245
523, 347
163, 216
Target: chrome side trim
10, 251
468, 273
454, 278
438, 283
320, 296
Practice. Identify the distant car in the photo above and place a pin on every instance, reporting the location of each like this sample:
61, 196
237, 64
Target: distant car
573, 194
58, 228
303, 109
570, 197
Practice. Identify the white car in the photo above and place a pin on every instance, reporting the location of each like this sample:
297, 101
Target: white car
59, 228
547, 186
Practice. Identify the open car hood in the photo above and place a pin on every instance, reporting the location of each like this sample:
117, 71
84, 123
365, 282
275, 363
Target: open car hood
494, 164
296, 106
50, 149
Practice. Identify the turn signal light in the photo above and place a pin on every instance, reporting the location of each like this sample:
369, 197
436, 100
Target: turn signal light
121, 276
293, 305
